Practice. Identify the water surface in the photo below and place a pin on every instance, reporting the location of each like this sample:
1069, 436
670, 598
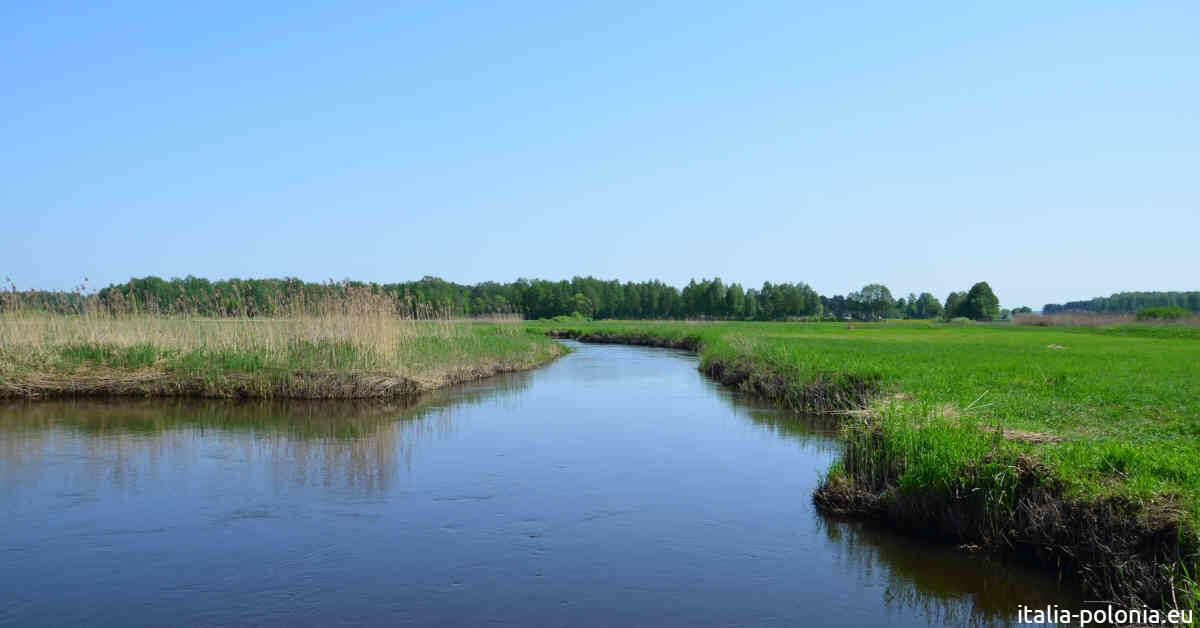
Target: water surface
614, 486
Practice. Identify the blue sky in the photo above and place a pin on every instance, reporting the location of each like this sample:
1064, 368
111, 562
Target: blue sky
1051, 149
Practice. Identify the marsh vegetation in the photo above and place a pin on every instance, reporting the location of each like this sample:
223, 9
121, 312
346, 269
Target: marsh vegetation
353, 345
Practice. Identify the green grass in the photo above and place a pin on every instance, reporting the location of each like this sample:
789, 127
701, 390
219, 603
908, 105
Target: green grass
300, 355
1124, 401
140, 355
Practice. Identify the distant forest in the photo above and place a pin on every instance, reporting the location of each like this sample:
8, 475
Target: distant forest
1128, 303
582, 296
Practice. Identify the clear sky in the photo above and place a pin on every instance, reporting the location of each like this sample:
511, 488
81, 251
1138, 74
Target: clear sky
1049, 148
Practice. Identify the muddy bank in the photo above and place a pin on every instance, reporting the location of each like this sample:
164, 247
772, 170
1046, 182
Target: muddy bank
827, 392
291, 385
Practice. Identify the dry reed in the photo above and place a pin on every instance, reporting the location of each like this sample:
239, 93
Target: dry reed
376, 345
1093, 319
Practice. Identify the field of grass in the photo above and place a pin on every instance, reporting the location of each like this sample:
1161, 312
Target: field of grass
1079, 445
331, 355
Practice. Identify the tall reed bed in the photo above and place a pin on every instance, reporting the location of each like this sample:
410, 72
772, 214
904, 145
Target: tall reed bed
1092, 319
353, 332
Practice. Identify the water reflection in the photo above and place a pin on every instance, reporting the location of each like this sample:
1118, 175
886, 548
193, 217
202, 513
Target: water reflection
938, 580
350, 444
816, 432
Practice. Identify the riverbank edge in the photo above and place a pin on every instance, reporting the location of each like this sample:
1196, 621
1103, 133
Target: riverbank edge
305, 385
1119, 550
821, 395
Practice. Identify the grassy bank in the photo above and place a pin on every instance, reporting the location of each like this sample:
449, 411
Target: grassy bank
1075, 446
333, 355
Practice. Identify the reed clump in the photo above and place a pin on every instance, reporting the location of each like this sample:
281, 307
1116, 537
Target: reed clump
352, 342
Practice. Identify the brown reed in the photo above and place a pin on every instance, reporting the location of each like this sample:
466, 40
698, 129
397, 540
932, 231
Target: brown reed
350, 342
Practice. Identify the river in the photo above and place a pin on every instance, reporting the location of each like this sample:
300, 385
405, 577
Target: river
615, 486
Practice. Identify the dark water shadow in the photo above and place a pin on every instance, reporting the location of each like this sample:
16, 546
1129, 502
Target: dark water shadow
299, 418
941, 581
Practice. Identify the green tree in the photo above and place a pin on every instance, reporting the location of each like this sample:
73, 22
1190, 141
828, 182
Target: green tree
927, 306
581, 305
874, 301
752, 304
714, 297
735, 301
981, 303
954, 305
633, 300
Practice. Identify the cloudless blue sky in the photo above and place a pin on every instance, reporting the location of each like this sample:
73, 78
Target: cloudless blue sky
1052, 149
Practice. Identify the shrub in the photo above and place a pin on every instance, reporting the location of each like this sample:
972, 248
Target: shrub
1168, 313
575, 317
961, 320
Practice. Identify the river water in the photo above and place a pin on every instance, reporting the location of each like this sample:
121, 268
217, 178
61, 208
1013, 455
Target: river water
615, 486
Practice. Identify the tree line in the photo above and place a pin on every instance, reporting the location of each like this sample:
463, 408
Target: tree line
534, 298
1128, 303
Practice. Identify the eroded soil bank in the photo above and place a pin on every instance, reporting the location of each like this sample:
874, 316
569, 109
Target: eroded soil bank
1117, 548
